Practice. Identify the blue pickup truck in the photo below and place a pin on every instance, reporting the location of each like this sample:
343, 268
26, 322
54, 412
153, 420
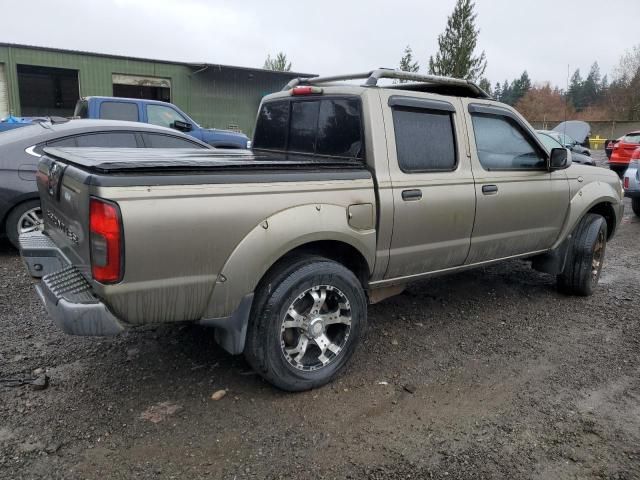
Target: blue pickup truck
157, 113
146, 111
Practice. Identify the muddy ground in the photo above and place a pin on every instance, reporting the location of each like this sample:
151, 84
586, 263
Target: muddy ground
484, 374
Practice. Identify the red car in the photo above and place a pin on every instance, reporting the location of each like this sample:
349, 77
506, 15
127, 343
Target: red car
623, 150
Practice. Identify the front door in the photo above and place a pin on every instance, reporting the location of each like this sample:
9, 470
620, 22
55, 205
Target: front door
521, 206
433, 189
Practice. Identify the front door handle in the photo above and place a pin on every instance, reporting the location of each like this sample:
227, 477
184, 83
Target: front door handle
489, 189
410, 195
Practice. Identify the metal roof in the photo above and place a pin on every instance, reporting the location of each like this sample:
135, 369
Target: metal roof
199, 65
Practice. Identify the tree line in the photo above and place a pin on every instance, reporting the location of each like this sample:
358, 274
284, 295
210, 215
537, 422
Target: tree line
593, 97
590, 98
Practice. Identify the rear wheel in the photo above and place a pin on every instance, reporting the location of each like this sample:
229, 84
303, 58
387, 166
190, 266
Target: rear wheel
25, 218
635, 206
585, 258
307, 319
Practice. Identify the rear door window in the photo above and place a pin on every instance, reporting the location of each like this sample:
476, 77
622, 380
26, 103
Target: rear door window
63, 142
320, 126
119, 111
108, 140
154, 140
425, 140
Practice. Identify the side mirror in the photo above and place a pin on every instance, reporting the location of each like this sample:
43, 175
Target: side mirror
182, 126
559, 159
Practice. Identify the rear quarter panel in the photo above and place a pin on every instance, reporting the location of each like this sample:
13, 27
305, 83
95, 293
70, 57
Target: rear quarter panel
194, 251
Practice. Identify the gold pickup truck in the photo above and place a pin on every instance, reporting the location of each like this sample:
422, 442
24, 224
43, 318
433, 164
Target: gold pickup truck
350, 192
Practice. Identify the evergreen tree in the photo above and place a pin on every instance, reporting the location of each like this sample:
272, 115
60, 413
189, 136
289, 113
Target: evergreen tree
519, 87
407, 64
506, 93
575, 90
485, 85
279, 63
497, 92
456, 46
591, 87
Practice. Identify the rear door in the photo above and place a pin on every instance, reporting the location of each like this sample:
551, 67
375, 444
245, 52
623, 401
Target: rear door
432, 183
521, 206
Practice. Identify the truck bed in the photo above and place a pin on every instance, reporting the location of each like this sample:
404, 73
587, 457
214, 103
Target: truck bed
188, 214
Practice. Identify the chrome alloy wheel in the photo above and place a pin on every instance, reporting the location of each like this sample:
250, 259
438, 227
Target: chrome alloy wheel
598, 257
316, 328
31, 221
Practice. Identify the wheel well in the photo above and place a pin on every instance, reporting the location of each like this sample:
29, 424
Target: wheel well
606, 210
337, 251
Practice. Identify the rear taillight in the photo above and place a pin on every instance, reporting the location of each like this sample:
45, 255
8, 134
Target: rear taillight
636, 154
306, 90
626, 182
105, 226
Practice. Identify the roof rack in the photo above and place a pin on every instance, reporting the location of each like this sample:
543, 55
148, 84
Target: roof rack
373, 76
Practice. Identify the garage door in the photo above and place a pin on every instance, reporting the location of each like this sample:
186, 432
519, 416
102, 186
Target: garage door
4, 94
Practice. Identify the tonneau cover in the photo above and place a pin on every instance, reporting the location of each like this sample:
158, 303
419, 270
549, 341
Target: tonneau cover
122, 160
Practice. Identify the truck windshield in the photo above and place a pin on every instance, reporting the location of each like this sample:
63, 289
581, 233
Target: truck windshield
330, 127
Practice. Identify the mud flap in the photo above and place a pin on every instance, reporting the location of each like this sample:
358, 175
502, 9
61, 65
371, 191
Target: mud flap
554, 260
231, 332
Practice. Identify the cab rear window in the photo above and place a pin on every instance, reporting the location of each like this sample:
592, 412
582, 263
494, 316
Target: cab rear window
318, 126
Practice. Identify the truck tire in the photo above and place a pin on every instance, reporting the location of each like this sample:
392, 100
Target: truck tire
26, 217
635, 206
585, 257
306, 321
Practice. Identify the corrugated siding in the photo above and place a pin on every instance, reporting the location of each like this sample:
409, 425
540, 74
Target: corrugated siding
216, 97
231, 97
4, 94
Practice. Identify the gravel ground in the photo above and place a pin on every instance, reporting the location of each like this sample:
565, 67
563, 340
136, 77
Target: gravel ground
484, 374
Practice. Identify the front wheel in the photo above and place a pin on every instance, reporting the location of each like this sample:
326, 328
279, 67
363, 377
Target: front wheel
306, 321
585, 258
635, 206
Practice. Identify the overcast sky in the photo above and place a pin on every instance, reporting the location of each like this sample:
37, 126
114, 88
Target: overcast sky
329, 37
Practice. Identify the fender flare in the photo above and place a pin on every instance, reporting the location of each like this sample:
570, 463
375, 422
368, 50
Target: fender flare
272, 239
584, 200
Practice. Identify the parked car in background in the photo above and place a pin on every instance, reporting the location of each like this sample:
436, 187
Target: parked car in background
20, 151
568, 142
157, 113
550, 141
631, 181
608, 146
576, 129
622, 151
11, 122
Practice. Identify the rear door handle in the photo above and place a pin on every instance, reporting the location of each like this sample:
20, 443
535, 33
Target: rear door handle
489, 189
409, 195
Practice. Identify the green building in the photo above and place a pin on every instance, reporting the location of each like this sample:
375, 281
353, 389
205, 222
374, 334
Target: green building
38, 81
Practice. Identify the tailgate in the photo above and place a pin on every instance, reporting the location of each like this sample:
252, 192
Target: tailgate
64, 195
